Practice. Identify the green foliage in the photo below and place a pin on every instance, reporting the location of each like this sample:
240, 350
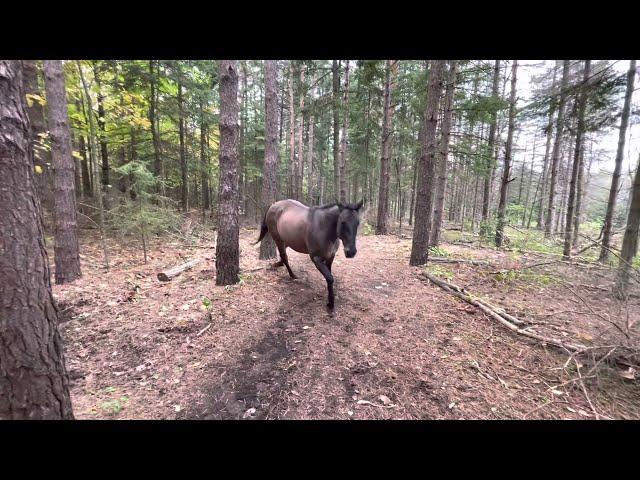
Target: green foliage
439, 271
438, 252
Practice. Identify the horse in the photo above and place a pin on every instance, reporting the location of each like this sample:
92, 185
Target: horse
316, 231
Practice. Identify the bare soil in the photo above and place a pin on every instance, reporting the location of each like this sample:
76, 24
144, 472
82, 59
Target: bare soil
395, 347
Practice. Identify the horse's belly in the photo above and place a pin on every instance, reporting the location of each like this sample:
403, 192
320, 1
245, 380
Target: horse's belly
292, 231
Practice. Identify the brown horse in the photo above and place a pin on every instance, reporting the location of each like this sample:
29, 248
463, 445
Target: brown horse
316, 231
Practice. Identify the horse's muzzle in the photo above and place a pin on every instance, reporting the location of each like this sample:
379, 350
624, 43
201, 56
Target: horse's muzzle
350, 253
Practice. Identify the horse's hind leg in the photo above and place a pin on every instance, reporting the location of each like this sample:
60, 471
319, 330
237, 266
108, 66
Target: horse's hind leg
283, 257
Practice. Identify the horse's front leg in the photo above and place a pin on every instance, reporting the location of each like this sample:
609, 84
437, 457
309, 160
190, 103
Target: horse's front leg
326, 273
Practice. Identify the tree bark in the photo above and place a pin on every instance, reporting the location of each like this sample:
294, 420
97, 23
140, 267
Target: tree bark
204, 161
507, 158
557, 147
387, 140
630, 240
336, 129
104, 151
184, 189
491, 160
227, 246
344, 167
615, 180
33, 377
424, 199
157, 165
300, 158
441, 186
582, 101
269, 171
545, 166
67, 257
292, 138
312, 175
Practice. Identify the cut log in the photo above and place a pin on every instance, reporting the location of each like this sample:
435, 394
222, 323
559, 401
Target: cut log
167, 275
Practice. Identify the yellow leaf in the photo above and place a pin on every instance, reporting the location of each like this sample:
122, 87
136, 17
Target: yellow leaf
76, 155
38, 169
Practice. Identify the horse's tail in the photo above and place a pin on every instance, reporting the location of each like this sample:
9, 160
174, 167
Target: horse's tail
263, 229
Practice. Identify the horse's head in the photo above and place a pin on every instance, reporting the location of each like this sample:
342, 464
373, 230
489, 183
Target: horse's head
348, 221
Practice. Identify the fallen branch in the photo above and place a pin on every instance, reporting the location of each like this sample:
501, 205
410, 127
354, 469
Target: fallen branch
167, 275
458, 260
498, 317
204, 330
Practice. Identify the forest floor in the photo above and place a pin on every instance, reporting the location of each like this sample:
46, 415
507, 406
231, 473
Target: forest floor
395, 347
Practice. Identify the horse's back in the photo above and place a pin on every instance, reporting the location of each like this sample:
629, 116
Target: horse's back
287, 221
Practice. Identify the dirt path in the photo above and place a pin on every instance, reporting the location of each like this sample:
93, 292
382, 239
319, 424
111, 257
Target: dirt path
402, 348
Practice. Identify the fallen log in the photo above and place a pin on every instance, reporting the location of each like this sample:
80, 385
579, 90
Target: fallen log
167, 275
458, 260
454, 290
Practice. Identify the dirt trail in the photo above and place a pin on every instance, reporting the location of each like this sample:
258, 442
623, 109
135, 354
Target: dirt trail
403, 348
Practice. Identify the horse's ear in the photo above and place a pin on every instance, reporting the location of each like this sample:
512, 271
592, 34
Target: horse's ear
359, 204
340, 205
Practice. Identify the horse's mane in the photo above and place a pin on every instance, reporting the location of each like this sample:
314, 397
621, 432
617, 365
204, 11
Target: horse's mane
349, 206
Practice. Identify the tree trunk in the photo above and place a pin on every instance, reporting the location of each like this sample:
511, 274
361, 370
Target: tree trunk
630, 240
33, 377
579, 195
336, 129
504, 186
300, 158
87, 190
491, 161
545, 167
184, 188
557, 147
204, 161
615, 180
441, 186
157, 165
67, 258
568, 231
104, 151
227, 246
424, 199
292, 138
387, 140
344, 167
96, 170
269, 171
312, 175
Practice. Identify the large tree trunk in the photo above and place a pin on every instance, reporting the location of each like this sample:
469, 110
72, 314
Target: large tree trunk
35, 110
227, 246
504, 186
387, 140
67, 257
557, 148
424, 199
441, 186
491, 160
630, 240
615, 180
582, 101
579, 196
269, 194
183, 157
336, 129
33, 378
344, 167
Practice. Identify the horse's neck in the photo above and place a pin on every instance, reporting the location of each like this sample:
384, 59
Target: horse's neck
329, 220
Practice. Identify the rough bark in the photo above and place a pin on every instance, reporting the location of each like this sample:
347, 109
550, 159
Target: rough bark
312, 175
292, 138
582, 101
615, 180
33, 377
67, 257
104, 151
227, 246
204, 161
441, 186
630, 240
269, 194
557, 148
504, 185
387, 140
545, 165
300, 158
157, 159
426, 167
